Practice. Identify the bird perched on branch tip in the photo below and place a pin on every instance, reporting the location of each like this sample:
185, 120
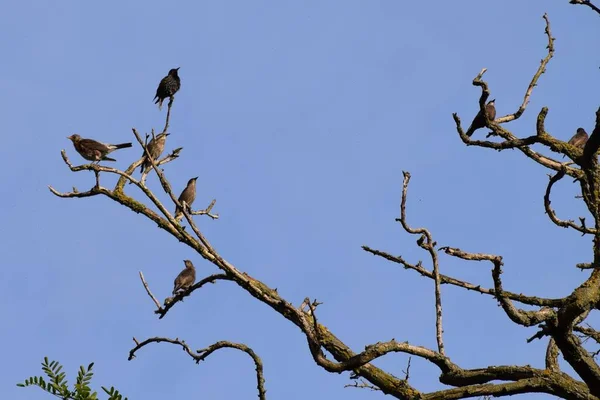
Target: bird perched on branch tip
93, 150
155, 147
168, 86
479, 120
188, 195
186, 278
579, 139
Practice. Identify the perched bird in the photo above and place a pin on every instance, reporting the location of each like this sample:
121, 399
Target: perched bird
155, 148
479, 121
188, 195
579, 139
186, 278
93, 150
168, 86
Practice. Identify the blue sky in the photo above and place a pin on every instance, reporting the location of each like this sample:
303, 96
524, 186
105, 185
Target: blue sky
299, 118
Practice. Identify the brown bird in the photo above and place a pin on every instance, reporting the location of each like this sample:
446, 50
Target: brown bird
186, 278
168, 86
479, 120
579, 139
93, 150
155, 148
188, 195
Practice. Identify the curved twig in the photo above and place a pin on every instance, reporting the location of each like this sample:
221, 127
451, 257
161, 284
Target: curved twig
586, 3
521, 317
536, 76
425, 242
552, 215
201, 355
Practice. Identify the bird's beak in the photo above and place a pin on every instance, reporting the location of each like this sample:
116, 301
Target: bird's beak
196, 177
70, 137
177, 68
493, 101
167, 134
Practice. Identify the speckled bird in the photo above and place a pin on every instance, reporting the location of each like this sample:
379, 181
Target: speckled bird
186, 278
155, 148
93, 150
188, 195
168, 86
579, 139
479, 120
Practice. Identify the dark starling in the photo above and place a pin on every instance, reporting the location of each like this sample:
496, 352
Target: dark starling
92, 150
168, 86
155, 148
479, 121
188, 195
579, 139
186, 278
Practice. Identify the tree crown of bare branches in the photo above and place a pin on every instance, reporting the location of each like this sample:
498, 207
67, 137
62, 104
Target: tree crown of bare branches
560, 320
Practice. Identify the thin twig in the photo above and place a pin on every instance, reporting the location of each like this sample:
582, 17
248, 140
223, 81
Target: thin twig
201, 355
552, 215
426, 242
445, 279
586, 3
148, 290
171, 301
536, 76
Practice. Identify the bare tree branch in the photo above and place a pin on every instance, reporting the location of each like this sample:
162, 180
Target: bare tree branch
445, 279
522, 317
558, 318
564, 224
536, 77
171, 301
202, 354
586, 3
425, 242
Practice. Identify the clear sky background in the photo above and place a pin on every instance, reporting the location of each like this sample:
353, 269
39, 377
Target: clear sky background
299, 118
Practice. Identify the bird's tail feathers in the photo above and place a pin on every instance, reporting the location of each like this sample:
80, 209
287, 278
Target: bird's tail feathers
108, 159
178, 215
122, 145
470, 131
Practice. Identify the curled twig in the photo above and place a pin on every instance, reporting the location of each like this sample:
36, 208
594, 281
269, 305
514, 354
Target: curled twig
425, 242
201, 355
552, 215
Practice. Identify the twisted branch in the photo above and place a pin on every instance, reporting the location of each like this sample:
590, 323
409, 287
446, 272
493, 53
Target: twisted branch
552, 215
202, 354
425, 242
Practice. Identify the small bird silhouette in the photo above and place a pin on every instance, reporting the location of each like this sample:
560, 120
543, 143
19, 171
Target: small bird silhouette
155, 148
93, 150
479, 120
186, 278
168, 86
188, 195
579, 139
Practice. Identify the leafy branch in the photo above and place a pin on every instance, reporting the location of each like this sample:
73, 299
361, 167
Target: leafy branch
57, 384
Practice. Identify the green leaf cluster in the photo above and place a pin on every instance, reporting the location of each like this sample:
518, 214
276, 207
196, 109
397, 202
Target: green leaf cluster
56, 383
